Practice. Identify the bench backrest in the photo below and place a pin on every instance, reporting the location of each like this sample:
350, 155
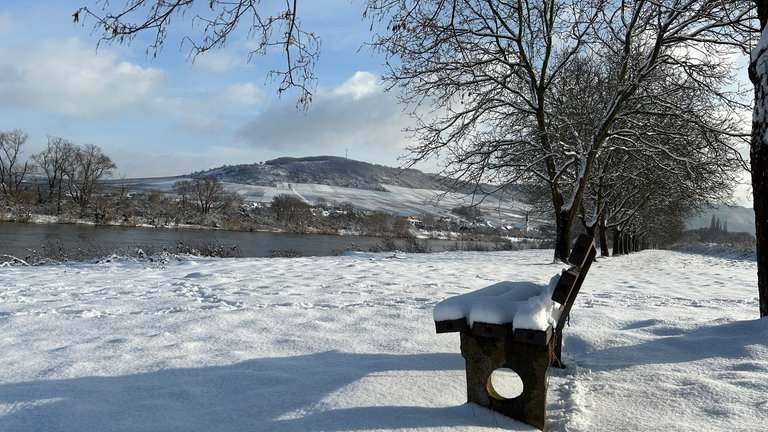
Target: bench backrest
569, 284
581, 257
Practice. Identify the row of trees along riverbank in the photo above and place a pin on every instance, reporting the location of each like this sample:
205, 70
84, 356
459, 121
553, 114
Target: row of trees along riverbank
69, 182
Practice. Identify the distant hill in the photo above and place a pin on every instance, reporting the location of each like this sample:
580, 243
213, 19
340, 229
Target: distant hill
336, 179
377, 187
324, 170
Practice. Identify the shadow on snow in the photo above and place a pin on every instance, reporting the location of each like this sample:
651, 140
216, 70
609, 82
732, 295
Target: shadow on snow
671, 344
269, 394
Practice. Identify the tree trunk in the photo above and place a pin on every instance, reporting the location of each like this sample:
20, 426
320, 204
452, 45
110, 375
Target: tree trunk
759, 161
617, 241
591, 230
604, 251
564, 234
758, 74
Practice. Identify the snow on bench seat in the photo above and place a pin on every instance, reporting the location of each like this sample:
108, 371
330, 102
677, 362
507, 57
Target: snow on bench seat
526, 311
500, 309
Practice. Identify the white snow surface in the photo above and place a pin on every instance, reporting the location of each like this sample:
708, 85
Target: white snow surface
658, 341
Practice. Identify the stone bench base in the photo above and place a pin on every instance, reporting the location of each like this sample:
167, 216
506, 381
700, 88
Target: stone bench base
484, 355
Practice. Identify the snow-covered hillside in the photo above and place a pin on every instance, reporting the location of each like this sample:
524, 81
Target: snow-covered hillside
737, 219
398, 200
341, 180
658, 341
393, 199
379, 188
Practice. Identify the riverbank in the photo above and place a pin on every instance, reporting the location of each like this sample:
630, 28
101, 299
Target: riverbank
58, 242
43, 243
411, 231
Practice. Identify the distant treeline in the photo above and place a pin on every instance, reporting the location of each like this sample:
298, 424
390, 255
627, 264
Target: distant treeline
717, 232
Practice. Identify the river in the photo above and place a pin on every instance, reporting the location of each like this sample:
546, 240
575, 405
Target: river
79, 242
89, 241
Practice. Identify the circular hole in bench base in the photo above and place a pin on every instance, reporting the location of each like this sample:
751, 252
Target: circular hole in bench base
504, 383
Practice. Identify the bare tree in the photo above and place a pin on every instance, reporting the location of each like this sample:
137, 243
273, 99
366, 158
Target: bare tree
758, 155
12, 169
653, 153
53, 161
482, 78
205, 193
212, 23
292, 211
109, 202
156, 208
88, 167
644, 204
183, 188
682, 171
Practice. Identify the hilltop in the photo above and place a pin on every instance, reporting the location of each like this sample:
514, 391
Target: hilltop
325, 170
737, 218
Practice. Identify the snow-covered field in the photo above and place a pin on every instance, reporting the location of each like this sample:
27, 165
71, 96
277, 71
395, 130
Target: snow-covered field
658, 341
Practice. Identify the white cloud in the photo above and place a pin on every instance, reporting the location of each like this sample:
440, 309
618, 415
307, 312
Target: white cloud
54, 81
357, 115
66, 77
220, 60
360, 85
7, 23
242, 94
211, 112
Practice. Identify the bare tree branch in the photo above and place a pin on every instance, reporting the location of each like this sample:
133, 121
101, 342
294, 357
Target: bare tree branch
217, 21
535, 91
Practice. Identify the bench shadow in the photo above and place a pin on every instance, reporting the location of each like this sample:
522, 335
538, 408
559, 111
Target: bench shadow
267, 394
727, 339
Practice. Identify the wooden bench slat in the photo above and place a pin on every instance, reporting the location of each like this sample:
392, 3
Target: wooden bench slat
565, 286
495, 331
533, 337
581, 250
449, 326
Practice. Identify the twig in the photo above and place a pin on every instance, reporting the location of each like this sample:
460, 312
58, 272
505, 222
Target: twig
13, 260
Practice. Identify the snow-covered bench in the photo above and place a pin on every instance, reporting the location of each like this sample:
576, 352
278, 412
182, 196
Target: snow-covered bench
515, 326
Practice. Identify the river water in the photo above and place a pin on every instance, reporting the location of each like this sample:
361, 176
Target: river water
87, 241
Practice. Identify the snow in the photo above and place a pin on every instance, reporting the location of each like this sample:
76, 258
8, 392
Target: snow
658, 341
526, 305
394, 199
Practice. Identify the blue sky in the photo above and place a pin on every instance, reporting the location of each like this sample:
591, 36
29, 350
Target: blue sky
169, 116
